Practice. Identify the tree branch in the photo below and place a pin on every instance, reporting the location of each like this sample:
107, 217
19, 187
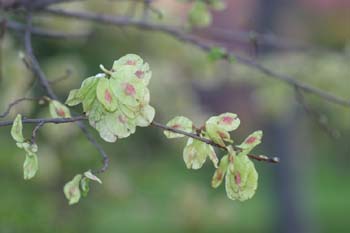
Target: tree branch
43, 121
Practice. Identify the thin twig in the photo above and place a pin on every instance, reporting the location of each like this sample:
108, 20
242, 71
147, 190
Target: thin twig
12, 104
35, 131
154, 124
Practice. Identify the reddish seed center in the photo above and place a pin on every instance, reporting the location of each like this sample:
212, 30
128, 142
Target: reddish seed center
238, 178
108, 96
60, 112
227, 120
130, 63
129, 89
139, 73
219, 177
251, 140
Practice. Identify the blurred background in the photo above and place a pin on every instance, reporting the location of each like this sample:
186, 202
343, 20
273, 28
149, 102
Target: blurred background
147, 187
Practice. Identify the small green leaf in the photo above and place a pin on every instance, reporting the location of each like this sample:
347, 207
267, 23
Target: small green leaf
30, 166
91, 176
219, 174
105, 95
71, 190
73, 98
199, 15
179, 123
216, 53
16, 130
241, 184
58, 110
218, 5
251, 141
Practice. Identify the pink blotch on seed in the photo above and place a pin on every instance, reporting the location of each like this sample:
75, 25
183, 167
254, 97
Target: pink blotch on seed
238, 178
251, 140
131, 62
108, 96
129, 89
139, 73
227, 120
60, 112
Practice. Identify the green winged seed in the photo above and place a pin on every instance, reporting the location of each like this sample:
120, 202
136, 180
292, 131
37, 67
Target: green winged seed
16, 130
196, 152
199, 15
88, 91
242, 182
105, 95
129, 91
219, 174
127, 60
146, 116
227, 121
91, 176
71, 190
251, 141
30, 166
217, 134
73, 98
179, 123
216, 53
58, 110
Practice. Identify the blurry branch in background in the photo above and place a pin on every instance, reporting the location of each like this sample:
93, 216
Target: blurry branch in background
320, 119
42, 121
14, 103
183, 36
13, 25
65, 76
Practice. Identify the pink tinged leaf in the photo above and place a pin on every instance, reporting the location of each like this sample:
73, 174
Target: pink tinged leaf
219, 176
222, 134
251, 140
129, 89
130, 63
108, 96
139, 74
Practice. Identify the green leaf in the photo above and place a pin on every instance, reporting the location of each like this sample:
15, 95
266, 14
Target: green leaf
105, 95
58, 110
242, 182
88, 91
16, 130
199, 15
216, 53
227, 121
71, 190
30, 166
91, 176
84, 186
218, 5
251, 141
220, 172
73, 98
196, 152
179, 123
